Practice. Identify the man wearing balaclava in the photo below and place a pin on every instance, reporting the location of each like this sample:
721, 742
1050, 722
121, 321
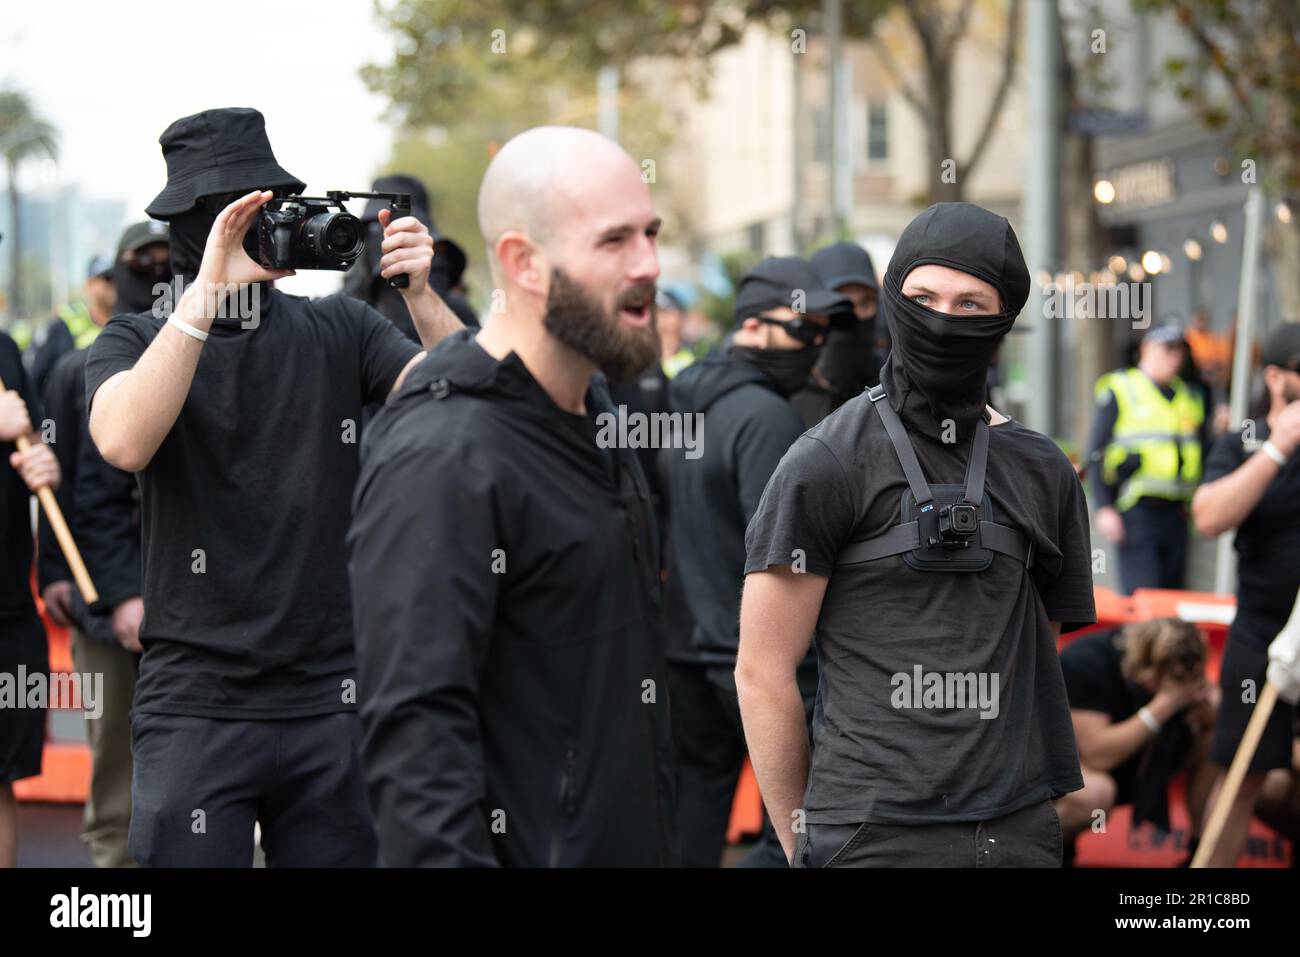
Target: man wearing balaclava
935, 591
740, 399
849, 361
364, 281
239, 408
104, 637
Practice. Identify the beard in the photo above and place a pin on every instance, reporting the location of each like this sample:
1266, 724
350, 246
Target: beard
578, 319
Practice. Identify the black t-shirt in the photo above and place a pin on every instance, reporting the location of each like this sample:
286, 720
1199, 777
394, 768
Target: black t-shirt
875, 759
246, 504
15, 497
1268, 542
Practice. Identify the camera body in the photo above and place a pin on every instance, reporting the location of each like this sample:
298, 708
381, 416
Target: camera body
311, 232
306, 232
958, 524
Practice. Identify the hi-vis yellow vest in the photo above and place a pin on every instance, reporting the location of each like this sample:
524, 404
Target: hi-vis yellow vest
1157, 429
76, 316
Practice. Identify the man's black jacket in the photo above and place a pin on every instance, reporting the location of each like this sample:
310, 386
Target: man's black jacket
505, 594
747, 426
99, 502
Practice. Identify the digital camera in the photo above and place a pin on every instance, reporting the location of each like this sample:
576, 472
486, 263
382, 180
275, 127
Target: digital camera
305, 232
958, 524
312, 232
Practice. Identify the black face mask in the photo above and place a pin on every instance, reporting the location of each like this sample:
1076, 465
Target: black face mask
138, 291
847, 361
188, 235
937, 369
787, 368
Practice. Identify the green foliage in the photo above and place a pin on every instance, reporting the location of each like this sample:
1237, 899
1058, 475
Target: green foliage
1253, 46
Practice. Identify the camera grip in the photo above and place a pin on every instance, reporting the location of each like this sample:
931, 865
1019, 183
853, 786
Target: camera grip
401, 281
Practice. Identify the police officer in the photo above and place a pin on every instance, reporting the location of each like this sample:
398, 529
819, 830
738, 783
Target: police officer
1145, 450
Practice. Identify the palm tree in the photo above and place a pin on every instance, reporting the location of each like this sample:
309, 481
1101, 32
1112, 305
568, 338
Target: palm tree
23, 135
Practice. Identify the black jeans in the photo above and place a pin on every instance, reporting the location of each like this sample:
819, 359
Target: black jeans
201, 783
1154, 552
710, 744
1027, 838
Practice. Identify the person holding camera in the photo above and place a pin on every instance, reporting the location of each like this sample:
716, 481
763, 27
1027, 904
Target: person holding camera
239, 410
1142, 712
941, 732
1252, 484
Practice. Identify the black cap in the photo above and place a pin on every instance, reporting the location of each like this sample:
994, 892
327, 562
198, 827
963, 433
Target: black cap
1282, 347
1168, 335
141, 234
788, 281
840, 264
217, 151
448, 249
100, 267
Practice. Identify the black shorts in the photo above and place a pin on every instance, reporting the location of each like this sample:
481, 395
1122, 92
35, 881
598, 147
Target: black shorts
1246, 660
22, 729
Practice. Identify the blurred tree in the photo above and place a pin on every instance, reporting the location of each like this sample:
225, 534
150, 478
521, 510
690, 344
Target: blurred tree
1253, 47
23, 136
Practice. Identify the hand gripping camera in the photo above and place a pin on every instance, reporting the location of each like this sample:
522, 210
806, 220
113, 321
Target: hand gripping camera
311, 232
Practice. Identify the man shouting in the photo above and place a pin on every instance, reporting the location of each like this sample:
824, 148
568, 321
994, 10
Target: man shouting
241, 423
504, 569
942, 731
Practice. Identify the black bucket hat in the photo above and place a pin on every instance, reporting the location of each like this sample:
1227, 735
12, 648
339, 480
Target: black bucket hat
448, 249
217, 151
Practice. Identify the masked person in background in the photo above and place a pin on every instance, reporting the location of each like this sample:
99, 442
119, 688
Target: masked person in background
942, 731
1252, 485
100, 504
239, 411
848, 362
739, 405
22, 635
364, 282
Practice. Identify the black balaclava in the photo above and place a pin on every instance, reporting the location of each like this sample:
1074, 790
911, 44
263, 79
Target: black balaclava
937, 369
136, 291
188, 235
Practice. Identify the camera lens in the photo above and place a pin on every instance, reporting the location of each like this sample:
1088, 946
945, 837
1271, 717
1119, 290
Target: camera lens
335, 235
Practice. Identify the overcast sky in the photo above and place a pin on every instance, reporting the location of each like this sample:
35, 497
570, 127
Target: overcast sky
112, 75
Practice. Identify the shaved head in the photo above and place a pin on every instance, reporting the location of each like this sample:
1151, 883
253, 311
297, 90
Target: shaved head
571, 233
540, 179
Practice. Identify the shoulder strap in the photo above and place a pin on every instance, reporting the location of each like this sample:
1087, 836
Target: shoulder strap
902, 447
975, 464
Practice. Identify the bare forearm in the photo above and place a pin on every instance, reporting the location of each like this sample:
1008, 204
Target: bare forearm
1227, 502
132, 413
434, 320
773, 715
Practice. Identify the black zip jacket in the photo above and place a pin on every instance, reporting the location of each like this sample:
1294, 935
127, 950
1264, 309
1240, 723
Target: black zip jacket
505, 593
747, 426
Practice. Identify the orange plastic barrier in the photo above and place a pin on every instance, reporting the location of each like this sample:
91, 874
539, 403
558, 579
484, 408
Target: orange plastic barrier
65, 765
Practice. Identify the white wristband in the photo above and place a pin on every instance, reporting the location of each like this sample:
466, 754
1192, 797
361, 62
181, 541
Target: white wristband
186, 328
1149, 719
1274, 453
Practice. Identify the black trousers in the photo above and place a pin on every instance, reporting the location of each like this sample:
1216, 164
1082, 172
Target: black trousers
1030, 837
200, 784
1154, 552
710, 744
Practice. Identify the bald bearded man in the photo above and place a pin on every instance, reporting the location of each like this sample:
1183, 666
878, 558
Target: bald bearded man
503, 561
